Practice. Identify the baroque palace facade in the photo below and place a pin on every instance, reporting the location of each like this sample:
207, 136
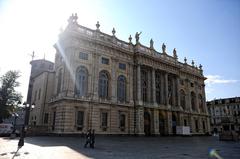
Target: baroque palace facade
117, 87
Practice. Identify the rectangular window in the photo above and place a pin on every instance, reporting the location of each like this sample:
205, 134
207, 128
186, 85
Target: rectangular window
105, 61
35, 96
45, 118
39, 94
122, 122
196, 125
80, 119
104, 120
83, 56
122, 66
192, 85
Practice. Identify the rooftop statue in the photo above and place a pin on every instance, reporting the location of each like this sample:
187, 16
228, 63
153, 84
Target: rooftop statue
164, 48
113, 31
137, 36
73, 19
175, 53
98, 25
151, 43
130, 39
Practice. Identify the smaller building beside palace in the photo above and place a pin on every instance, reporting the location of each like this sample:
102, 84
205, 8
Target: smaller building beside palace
225, 114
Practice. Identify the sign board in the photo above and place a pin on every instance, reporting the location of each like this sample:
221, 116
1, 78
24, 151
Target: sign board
183, 130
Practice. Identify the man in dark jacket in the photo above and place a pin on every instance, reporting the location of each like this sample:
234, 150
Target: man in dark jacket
88, 138
92, 138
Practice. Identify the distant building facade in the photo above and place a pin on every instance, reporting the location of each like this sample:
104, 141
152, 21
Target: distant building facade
225, 114
117, 87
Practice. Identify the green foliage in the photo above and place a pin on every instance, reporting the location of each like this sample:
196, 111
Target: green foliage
9, 98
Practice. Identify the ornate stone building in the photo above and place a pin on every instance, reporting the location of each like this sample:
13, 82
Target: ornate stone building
118, 87
225, 114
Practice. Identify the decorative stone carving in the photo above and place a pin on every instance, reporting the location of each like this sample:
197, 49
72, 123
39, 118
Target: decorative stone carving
73, 19
175, 53
130, 39
151, 44
164, 48
98, 25
192, 63
185, 60
113, 31
137, 36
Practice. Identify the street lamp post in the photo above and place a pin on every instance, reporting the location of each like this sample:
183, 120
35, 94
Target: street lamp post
26, 119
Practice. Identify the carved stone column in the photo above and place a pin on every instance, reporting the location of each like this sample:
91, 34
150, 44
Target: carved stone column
140, 121
149, 86
130, 85
173, 98
197, 96
95, 72
153, 87
162, 89
114, 80
169, 123
205, 109
188, 96
166, 88
139, 89
178, 92
156, 121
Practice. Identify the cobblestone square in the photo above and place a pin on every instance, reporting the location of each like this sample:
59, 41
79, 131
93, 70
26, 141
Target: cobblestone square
118, 147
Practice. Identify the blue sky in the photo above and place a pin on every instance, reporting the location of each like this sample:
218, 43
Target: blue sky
206, 31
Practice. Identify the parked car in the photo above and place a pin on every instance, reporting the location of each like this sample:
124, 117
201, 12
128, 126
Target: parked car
7, 129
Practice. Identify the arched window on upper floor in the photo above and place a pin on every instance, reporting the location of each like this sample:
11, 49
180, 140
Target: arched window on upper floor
183, 99
193, 101
121, 88
81, 83
59, 81
104, 80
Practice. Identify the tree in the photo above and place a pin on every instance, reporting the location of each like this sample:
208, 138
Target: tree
9, 98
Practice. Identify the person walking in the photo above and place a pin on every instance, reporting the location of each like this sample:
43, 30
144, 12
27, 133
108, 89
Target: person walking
92, 139
88, 138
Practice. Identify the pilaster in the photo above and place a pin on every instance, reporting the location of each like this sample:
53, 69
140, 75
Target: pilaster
139, 91
156, 122
169, 123
153, 88
166, 88
148, 86
178, 95
140, 121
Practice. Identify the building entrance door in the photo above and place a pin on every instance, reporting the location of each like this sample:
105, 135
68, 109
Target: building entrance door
174, 124
147, 123
161, 125
54, 117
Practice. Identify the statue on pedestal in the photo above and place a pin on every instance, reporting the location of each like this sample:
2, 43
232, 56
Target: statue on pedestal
137, 37
164, 48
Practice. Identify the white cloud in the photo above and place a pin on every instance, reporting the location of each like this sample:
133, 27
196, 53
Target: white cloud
216, 79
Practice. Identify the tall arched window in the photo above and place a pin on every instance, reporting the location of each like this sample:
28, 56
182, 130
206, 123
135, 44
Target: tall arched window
121, 88
158, 87
193, 101
144, 85
59, 81
183, 99
81, 81
103, 84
